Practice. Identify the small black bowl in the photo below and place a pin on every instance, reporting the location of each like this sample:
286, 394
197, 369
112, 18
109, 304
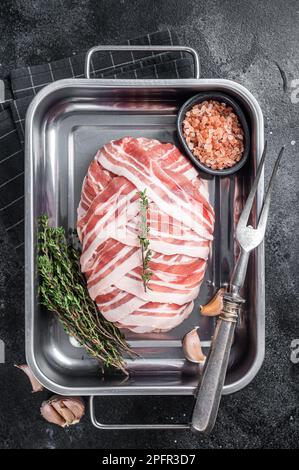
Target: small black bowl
222, 98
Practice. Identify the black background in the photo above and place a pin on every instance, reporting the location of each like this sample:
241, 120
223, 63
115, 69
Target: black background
247, 41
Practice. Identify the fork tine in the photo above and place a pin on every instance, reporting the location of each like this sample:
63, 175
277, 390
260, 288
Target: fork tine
265, 209
248, 205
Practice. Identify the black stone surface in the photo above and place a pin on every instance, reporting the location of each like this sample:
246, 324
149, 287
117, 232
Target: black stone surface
255, 43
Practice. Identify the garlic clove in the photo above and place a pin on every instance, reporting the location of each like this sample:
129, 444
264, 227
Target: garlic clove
50, 414
215, 305
192, 347
36, 386
76, 404
64, 411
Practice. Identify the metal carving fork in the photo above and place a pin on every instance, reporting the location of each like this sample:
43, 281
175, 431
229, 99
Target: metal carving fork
210, 388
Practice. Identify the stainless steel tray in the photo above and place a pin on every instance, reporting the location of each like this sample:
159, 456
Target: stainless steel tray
66, 123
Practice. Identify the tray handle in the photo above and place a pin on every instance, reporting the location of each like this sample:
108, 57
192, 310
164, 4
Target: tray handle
186, 49
103, 426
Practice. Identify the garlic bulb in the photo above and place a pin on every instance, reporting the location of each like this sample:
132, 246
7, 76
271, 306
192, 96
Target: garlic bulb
192, 347
63, 411
36, 386
215, 305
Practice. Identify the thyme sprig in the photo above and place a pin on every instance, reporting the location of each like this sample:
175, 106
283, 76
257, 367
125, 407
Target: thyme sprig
63, 290
146, 253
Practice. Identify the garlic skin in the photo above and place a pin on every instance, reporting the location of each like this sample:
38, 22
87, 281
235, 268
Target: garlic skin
215, 305
36, 386
63, 411
192, 347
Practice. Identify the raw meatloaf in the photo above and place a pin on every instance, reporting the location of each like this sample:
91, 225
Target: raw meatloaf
180, 221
